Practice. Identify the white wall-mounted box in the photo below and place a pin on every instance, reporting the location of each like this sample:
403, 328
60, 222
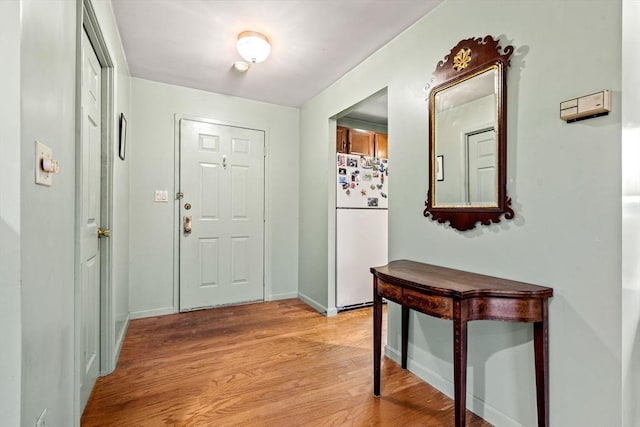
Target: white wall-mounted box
586, 107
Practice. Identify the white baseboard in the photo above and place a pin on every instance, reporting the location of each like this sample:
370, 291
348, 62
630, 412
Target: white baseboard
151, 313
286, 295
329, 312
120, 341
474, 404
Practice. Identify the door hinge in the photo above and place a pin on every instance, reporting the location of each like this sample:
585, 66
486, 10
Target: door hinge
179, 195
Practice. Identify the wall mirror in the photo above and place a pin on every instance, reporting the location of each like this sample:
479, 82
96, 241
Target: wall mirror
467, 136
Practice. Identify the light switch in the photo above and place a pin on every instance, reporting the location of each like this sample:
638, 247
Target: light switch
45, 166
161, 196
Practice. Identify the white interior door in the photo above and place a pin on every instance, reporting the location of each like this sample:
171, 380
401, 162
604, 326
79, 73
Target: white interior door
483, 184
89, 221
222, 180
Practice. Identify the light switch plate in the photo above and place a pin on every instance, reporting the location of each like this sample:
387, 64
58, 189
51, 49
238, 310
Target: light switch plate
161, 196
42, 177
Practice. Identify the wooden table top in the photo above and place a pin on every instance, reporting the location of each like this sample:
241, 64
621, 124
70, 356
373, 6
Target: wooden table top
450, 282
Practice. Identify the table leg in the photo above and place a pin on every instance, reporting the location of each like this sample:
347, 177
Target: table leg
377, 336
459, 367
405, 335
541, 348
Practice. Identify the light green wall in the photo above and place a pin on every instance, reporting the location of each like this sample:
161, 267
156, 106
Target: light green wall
565, 183
152, 155
631, 212
48, 73
10, 325
360, 124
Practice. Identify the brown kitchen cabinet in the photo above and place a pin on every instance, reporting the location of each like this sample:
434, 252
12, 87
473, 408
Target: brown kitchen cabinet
380, 140
341, 139
361, 142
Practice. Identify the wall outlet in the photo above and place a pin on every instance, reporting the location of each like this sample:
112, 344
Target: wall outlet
42, 419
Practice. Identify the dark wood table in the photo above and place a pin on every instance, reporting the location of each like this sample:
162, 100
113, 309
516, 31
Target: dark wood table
462, 297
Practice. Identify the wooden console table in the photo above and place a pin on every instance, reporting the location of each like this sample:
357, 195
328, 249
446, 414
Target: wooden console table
462, 296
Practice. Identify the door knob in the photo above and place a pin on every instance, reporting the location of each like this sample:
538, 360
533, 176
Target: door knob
103, 233
187, 224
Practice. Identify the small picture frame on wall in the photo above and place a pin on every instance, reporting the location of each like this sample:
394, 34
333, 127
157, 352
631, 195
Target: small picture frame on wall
123, 137
440, 168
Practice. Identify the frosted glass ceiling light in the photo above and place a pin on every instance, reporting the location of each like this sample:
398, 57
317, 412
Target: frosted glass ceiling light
253, 47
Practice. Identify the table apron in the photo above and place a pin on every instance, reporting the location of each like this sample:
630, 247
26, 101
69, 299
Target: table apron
528, 309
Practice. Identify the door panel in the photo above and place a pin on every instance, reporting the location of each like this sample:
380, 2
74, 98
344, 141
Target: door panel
222, 179
209, 191
90, 219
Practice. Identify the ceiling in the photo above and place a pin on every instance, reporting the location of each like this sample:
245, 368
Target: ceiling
191, 43
372, 110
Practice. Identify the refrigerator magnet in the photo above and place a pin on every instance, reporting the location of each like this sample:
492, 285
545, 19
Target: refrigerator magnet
363, 192
384, 195
342, 171
352, 162
342, 179
372, 202
341, 160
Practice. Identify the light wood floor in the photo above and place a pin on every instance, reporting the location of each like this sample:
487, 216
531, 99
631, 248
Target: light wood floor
269, 364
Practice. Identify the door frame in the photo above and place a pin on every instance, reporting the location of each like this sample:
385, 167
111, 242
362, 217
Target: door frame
266, 232
87, 21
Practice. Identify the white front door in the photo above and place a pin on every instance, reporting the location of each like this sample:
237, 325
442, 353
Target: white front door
483, 181
89, 222
222, 180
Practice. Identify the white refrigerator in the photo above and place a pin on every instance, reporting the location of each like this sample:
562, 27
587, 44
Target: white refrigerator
361, 226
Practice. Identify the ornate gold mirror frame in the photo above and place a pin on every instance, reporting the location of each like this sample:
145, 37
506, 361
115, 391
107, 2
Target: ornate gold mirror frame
471, 64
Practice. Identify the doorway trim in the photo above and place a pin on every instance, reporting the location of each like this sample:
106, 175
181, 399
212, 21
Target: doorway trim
87, 20
266, 243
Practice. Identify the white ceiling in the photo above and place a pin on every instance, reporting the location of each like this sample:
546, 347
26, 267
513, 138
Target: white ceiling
191, 43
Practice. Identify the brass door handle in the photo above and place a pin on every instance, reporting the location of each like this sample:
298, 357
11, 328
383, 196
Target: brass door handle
103, 233
186, 223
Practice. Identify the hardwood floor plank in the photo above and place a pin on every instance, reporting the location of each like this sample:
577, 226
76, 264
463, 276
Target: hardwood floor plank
269, 364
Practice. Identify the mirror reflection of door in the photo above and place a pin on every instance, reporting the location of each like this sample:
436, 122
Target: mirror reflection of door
465, 135
481, 168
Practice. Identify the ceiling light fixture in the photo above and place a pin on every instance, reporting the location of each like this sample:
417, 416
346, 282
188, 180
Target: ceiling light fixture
253, 47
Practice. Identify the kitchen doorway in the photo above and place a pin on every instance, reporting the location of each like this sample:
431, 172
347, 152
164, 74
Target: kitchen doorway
362, 197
